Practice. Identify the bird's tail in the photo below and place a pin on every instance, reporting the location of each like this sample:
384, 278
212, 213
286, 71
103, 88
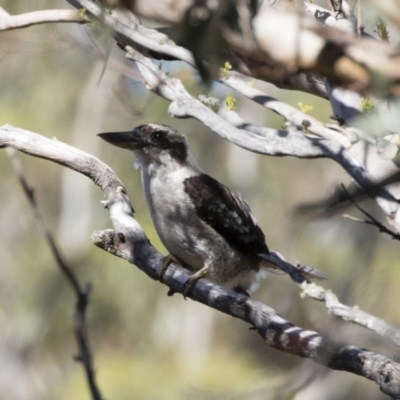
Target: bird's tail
275, 263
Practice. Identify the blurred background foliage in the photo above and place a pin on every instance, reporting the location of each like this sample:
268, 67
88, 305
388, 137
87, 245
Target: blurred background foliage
147, 345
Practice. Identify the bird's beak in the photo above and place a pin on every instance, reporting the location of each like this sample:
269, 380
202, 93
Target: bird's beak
131, 140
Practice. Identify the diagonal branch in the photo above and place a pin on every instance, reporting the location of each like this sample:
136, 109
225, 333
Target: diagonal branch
82, 295
225, 122
129, 241
370, 219
292, 114
348, 313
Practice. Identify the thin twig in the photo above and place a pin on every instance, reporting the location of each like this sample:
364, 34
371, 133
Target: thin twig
371, 220
82, 295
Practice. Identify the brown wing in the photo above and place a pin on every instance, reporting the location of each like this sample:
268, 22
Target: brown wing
226, 213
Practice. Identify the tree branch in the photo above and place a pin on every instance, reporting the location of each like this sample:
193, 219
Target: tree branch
9, 22
370, 219
126, 26
308, 148
345, 103
298, 118
224, 122
347, 106
348, 313
359, 63
129, 241
229, 125
128, 31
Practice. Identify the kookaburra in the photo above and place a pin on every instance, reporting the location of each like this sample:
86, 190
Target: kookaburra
203, 225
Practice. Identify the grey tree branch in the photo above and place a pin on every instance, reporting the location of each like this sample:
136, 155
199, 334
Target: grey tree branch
9, 22
306, 45
184, 105
348, 313
82, 295
230, 126
310, 124
347, 107
128, 31
129, 241
370, 219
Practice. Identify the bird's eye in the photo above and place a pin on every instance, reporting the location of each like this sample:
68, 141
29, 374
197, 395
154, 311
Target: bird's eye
158, 136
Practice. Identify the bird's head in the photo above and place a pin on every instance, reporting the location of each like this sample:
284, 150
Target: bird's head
153, 142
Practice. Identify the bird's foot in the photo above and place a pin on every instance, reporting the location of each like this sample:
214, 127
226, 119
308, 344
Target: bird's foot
170, 293
166, 261
201, 273
244, 295
240, 290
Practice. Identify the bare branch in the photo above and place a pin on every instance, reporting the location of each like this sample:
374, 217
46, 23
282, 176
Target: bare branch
289, 61
346, 104
3, 13
295, 116
130, 242
359, 63
128, 31
184, 105
370, 219
347, 313
9, 22
229, 125
82, 296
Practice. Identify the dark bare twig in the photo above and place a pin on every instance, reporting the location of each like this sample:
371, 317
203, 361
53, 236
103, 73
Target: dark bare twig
370, 219
82, 295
